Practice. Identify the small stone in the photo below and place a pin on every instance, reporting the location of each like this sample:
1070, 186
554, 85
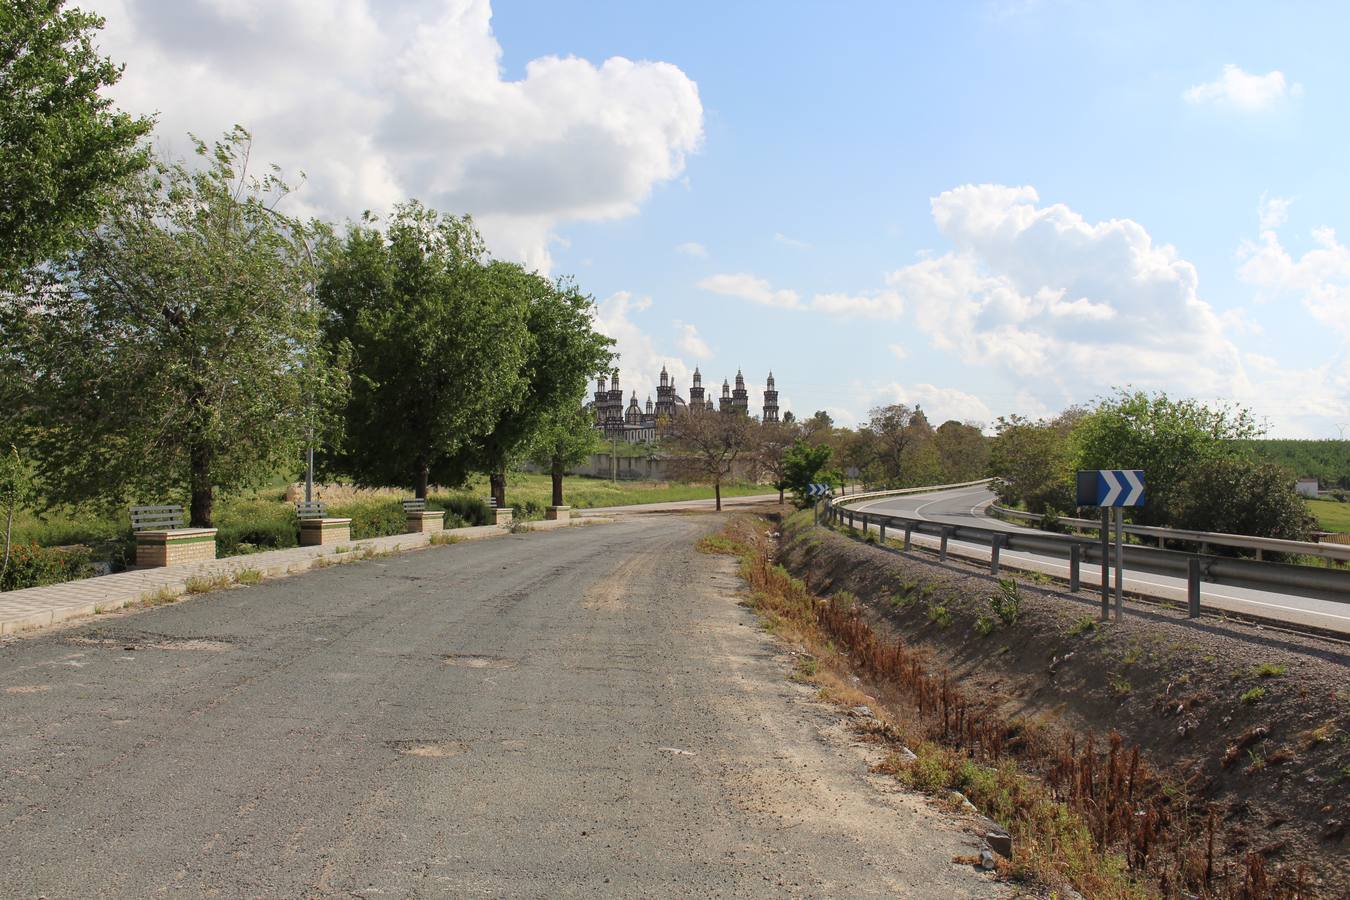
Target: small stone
862, 711
999, 841
906, 755
987, 861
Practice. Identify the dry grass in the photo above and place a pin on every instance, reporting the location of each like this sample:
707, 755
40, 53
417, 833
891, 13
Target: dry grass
1083, 811
443, 538
248, 576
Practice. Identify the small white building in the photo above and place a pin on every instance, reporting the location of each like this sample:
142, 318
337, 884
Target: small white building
1307, 487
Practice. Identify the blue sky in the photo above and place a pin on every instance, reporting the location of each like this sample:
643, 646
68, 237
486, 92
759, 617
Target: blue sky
983, 208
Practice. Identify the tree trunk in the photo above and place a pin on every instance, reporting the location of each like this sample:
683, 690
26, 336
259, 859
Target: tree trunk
717, 492
203, 498
497, 482
780, 496
557, 481
9, 530
423, 477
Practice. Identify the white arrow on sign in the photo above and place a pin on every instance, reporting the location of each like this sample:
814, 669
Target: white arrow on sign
1136, 487
1113, 488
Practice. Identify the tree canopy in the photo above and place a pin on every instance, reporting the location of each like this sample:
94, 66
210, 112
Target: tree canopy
562, 351
63, 147
438, 338
176, 351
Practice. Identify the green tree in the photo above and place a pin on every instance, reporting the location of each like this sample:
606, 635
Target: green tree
562, 351
438, 342
176, 352
1165, 438
963, 451
1232, 495
567, 438
62, 144
805, 465
1031, 462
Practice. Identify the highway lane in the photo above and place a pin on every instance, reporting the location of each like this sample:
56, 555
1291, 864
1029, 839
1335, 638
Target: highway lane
966, 506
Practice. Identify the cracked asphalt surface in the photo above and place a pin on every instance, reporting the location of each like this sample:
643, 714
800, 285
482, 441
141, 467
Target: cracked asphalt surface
581, 712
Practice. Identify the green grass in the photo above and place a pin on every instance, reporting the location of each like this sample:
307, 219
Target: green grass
1333, 516
263, 516
582, 492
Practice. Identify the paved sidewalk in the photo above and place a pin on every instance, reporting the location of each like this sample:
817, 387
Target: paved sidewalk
41, 606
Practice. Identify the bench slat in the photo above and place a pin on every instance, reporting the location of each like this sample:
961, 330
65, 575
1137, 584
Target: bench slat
158, 518
312, 509
415, 505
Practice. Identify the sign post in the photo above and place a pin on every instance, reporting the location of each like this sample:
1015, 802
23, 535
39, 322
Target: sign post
815, 492
1112, 489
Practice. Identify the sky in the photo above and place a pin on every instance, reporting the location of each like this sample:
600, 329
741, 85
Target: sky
980, 208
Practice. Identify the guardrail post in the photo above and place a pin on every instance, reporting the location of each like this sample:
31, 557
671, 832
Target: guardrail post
850, 518
993, 554
942, 554
908, 531
1075, 567
1193, 588
882, 525
1106, 563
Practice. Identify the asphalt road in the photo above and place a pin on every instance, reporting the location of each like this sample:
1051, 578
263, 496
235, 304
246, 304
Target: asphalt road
581, 712
965, 506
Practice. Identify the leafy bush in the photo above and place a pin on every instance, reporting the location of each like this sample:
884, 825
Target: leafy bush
465, 509
34, 566
1239, 496
248, 526
373, 518
1007, 603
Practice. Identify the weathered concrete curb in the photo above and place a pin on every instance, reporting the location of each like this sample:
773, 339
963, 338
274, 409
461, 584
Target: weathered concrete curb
42, 606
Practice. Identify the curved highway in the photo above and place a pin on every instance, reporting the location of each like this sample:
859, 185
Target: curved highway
966, 506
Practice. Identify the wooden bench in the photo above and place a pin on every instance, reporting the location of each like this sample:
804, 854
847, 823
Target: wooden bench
317, 528
422, 520
162, 539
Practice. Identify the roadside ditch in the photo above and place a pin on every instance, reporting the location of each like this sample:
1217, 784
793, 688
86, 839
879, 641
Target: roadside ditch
1160, 756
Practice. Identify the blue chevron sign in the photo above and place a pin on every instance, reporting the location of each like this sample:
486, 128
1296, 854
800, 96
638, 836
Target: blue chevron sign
817, 490
1111, 487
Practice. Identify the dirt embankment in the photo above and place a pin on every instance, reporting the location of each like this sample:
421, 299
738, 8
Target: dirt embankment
1253, 720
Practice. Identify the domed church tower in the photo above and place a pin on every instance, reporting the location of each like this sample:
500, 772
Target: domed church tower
696, 392
665, 397
724, 402
740, 398
770, 401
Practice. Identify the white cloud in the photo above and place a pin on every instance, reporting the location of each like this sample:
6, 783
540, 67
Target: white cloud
1240, 90
786, 241
898, 351
752, 288
869, 304
380, 102
692, 248
1320, 278
1069, 309
1274, 211
691, 342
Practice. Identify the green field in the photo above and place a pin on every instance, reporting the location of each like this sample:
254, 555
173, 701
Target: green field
1332, 515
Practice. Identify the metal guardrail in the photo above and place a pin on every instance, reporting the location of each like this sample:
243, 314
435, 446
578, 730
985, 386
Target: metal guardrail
1261, 545
1304, 581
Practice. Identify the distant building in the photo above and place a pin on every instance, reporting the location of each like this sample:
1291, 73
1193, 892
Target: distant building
635, 424
1307, 487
